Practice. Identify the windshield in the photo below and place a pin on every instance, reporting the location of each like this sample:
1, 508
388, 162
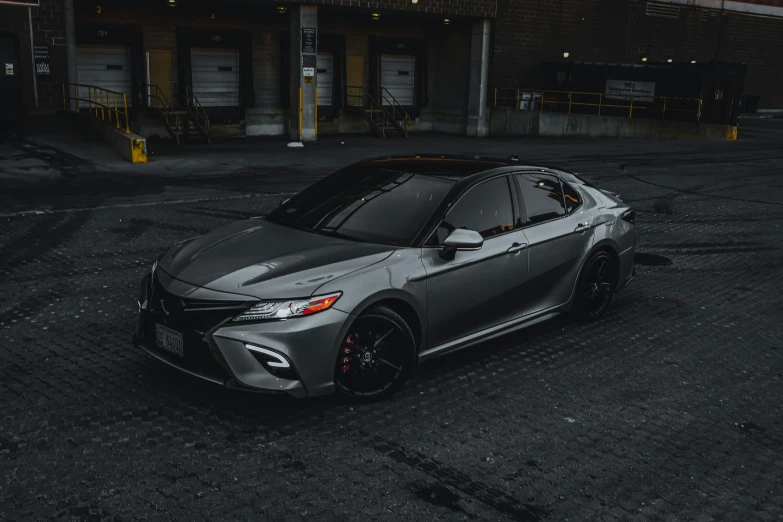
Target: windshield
366, 203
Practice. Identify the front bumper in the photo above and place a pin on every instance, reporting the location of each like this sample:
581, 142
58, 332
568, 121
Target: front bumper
220, 355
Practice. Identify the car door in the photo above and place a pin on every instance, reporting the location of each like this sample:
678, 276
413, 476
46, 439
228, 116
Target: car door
477, 289
560, 233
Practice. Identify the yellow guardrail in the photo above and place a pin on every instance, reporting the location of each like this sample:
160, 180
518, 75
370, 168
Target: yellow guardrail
116, 103
573, 99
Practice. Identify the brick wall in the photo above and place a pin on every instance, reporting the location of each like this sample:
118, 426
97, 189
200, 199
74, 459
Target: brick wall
49, 29
620, 31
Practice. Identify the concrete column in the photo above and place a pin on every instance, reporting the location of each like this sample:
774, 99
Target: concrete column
479, 71
304, 50
70, 48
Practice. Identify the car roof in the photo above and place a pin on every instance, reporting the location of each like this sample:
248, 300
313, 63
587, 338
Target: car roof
456, 167
441, 165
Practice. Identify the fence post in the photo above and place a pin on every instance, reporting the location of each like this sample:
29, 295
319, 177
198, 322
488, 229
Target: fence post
103, 110
698, 114
570, 98
517, 99
663, 115
630, 112
116, 112
125, 105
600, 101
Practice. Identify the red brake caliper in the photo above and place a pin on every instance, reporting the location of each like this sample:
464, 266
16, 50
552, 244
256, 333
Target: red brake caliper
347, 351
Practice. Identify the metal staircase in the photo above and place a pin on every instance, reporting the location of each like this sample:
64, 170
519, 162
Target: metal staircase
186, 123
381, 110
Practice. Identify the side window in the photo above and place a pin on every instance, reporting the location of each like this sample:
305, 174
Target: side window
486, 208
572, 198
543, 197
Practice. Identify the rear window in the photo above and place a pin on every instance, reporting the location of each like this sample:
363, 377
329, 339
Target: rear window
366, 203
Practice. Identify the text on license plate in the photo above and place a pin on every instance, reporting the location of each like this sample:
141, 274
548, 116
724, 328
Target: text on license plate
168, 339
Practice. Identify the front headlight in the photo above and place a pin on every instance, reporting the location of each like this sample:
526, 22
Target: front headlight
287, 309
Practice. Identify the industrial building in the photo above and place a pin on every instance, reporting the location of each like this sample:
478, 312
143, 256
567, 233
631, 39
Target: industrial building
259, 67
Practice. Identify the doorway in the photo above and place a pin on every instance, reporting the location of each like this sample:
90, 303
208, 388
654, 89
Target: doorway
159, 73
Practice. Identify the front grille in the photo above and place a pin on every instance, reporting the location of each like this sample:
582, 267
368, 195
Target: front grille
193, 318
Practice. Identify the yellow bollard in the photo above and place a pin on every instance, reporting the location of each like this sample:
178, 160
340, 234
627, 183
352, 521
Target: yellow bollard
103, 110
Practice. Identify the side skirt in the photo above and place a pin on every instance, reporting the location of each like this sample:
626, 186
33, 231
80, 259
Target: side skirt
489, 333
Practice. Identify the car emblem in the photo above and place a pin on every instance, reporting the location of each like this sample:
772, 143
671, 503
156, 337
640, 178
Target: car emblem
367, 357
163, 307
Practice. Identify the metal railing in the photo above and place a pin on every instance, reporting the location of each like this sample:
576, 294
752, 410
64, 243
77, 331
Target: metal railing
385, 106
200, 116
575, 102
154, 92
103, 103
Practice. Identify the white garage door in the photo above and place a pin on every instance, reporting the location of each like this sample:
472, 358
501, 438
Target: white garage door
216, 76
107, 67
397, 77
325, 78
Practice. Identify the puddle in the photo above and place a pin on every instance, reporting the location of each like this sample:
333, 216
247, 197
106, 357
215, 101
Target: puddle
650, 259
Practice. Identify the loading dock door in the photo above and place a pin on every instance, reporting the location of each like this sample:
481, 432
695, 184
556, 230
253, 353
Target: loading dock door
397, 77
107, 67
325, 78
216, 77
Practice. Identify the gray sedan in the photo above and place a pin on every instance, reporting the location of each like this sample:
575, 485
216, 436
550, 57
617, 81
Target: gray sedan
381, 265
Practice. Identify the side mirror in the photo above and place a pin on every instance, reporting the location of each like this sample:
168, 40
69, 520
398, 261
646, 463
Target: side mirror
460, 239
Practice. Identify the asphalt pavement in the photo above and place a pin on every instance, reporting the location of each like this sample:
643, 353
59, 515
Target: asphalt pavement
669, 408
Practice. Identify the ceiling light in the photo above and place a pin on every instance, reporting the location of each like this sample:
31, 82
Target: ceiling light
281, 9
414, 1
566, 54
375, 16
446, 21
693, 61
644, 58
669, 60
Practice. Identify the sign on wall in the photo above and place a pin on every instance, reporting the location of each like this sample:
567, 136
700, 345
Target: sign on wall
308, 40
23, 3
627, 90
41, 55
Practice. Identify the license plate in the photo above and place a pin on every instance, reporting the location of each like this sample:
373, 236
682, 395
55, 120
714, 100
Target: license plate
168, 339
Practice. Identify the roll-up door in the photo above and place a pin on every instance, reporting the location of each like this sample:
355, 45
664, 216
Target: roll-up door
216, 77
325, 78
106, 67
397, 78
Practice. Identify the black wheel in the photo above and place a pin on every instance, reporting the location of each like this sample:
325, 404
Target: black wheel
376, 356
595, 288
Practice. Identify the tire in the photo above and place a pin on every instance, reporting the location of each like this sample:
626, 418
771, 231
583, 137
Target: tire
376, 356
595, 287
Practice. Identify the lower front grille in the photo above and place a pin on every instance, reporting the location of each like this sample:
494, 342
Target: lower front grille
197, 355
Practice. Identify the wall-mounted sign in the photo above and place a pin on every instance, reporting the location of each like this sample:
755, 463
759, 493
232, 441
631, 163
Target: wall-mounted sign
630, 90
308, 40
103, 33
308, 73
41, 55
216, 38
23, 3
9, 69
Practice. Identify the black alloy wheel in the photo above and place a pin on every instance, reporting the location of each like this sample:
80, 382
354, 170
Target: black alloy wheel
376, 356
596, 286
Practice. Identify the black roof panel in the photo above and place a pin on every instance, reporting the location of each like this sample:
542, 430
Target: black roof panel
449, 166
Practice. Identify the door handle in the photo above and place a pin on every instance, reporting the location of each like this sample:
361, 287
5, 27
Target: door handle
581, 227
516, 247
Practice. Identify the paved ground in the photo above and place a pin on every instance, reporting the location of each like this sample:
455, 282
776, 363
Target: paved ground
668, 409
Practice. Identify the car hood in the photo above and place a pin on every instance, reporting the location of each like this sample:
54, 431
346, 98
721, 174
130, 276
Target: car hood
267, 261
